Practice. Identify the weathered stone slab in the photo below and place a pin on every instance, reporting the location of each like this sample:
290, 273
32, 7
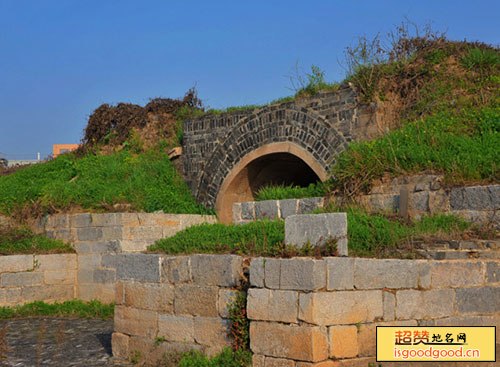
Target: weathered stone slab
14, 263
272, 270
176, 328
288, 207
493, 272
342, 307
424, 274
308, 205
472, 198
221, 270
89, 261
456, 273
419, 201
176, 269
304, 343
85, 276
60, 277
257, 272
154, 297
340, 273
494, 194
279, 362
105, 219
414, 304
478, 300
103, 292
343, 341
132, 321
196, 300
55, 262
317, 229
104, 276
389, 300
140, 267
225, 300
89, 234
248, 210
212, 332
47, 293
266, 209
237, 213
21, 279
119, 344
272, 305
80, 220
302, 274
386, 273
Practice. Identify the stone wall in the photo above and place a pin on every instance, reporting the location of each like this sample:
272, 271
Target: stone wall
426, 195
307, 312
166, 303
322, 125
274, 209
96, 235
304, 312
116, 232
28, 278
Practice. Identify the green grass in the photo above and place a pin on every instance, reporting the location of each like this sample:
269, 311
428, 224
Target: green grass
368, 235
216, 111
22, 240
261, 237
226, 358
377, 234
73, 309
146, 180
280, 192
465, 148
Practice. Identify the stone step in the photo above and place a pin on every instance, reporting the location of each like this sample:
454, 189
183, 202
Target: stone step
460, 254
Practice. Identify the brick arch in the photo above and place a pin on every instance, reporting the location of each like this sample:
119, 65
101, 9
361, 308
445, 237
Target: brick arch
280, 129
237, 186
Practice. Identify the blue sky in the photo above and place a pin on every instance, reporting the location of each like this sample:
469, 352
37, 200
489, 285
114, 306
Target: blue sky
59, 60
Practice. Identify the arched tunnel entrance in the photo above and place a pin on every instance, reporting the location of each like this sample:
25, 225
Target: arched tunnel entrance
273, 164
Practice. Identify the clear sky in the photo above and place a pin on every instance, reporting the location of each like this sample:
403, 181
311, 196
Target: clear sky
61, 59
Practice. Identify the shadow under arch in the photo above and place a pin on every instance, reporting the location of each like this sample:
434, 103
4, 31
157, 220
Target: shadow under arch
275, 163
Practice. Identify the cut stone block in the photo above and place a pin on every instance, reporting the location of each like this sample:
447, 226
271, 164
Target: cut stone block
303, 343
317, 229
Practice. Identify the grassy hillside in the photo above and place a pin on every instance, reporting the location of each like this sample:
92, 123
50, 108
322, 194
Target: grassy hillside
146, 180
444, 96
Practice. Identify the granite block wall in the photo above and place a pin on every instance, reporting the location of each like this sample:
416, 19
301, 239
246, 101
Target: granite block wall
308, 312
167, 304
